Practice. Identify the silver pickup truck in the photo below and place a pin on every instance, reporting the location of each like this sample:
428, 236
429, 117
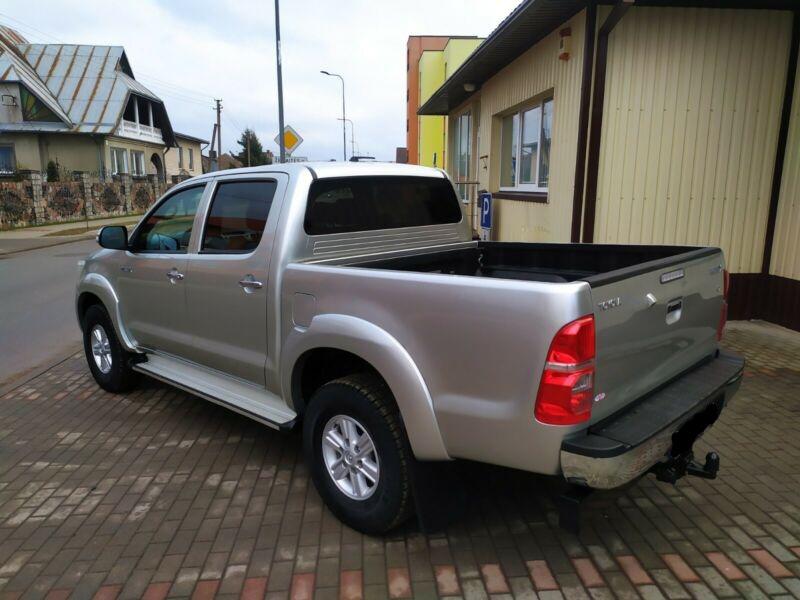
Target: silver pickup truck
352, 299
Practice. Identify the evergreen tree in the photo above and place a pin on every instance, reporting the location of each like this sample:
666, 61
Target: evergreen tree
256, 151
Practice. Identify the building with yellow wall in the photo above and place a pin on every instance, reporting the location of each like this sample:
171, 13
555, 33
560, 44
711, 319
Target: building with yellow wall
434, 65
651, 123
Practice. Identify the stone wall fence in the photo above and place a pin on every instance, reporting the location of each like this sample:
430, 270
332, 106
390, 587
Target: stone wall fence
30, 200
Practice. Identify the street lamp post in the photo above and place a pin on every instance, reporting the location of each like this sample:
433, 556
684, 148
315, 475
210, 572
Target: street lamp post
280, 81
344, 116
352, 136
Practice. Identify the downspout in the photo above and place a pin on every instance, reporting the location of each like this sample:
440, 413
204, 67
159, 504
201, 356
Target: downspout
101, 167
596, 124
583, 119
783, 135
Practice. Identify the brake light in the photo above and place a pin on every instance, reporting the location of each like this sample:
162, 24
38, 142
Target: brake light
567, 386
723, 312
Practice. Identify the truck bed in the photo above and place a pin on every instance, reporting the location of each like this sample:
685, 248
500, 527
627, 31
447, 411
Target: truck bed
597, 264
655, 306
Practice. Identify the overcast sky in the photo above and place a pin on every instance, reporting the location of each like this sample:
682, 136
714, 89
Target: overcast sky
191, 51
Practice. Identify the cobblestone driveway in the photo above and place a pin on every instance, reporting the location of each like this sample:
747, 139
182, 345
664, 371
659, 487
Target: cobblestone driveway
157, 494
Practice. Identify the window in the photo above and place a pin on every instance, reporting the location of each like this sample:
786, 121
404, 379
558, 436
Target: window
169, 227
8, 162
372, 203
119, 161
137, 162
191, 158
33, 109
238, 216
462, 153
180, 157
526, 138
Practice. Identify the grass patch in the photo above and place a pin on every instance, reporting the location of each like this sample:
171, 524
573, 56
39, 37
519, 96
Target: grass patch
84, 229
78, 220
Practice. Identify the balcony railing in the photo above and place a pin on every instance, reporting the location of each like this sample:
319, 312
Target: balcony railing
140, 131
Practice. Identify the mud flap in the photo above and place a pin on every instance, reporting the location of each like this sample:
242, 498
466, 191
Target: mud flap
439, 495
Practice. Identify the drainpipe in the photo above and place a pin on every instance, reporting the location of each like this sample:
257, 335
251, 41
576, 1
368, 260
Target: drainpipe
101, 167
783, 136
583, 119
596, 123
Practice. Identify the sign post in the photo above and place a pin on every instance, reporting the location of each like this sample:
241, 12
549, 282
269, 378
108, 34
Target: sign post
291, 139
485, 206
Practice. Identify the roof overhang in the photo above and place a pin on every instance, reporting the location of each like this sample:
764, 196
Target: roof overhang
529, 23
192, 138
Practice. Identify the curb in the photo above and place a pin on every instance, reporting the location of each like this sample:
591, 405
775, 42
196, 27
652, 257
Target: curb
4, 253
37, 371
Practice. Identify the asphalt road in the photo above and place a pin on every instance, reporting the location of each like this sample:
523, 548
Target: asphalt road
37, 315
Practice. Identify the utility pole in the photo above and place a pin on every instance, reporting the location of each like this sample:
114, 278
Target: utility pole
280, 80
247, 137
219, 129
212, 153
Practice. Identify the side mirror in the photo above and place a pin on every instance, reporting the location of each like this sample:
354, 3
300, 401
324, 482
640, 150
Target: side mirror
113, 237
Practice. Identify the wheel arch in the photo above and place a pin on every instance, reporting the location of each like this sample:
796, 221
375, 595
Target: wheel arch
96, 289
343, 345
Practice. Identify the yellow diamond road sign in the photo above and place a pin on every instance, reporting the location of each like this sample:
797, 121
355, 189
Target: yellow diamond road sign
291, 139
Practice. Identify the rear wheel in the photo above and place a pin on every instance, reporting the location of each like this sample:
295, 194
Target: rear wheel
107, 359
358, 454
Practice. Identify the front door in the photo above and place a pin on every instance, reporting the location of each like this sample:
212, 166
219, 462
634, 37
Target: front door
227, 279
151, 278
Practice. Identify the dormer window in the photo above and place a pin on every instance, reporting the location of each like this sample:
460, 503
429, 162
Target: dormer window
140, 120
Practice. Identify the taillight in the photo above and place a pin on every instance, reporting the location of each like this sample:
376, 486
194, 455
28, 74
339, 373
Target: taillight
723, 312
567, 386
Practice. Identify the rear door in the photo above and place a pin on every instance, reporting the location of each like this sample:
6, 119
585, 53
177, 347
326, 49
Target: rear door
652, 324
227, 280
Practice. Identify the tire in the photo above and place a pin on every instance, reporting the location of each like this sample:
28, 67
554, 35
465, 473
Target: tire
114, 377
365, 401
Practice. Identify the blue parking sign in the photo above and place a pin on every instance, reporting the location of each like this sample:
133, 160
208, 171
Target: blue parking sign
485, 202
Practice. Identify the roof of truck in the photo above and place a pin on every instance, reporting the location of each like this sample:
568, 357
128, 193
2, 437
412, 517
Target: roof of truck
336, 169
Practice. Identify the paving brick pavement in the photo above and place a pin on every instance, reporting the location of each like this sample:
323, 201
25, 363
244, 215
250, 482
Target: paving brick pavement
157, 494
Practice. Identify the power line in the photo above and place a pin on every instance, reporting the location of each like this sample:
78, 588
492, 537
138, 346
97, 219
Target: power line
233, 121
78, 53
183, 89
175, 96
29, 27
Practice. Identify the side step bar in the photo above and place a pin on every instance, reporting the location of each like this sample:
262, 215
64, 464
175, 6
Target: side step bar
246, 399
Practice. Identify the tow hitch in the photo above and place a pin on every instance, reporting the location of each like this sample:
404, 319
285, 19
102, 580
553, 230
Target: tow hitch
676, 467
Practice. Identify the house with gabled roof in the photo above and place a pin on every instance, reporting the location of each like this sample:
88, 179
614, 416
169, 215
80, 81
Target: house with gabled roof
79, 107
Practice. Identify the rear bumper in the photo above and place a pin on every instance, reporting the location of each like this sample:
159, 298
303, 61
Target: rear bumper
657, 428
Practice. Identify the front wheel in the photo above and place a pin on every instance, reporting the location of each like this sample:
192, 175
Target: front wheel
107, 359
358, 454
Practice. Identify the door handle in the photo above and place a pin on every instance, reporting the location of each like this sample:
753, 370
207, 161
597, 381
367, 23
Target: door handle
249, 283
174, 275
674, 310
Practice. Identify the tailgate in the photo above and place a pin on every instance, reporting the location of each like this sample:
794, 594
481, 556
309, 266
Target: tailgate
653, 322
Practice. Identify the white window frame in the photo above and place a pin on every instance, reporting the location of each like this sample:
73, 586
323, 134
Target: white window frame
115, 170
526, 187
191, 159
135, 164
459, 178
180, 157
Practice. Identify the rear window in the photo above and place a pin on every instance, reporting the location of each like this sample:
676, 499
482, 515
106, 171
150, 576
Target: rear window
351, 204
